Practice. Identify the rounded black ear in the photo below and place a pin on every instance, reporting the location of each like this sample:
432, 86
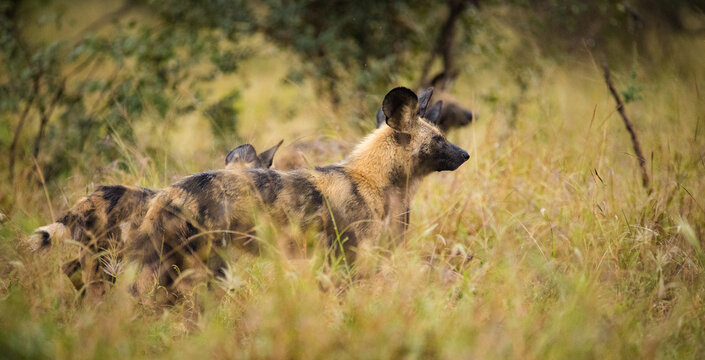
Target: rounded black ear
381, 118
399, 107
424, 99
245, 153
434, 113
266, 157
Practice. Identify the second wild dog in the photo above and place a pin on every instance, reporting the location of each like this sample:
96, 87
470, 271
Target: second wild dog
104, 222
452, 115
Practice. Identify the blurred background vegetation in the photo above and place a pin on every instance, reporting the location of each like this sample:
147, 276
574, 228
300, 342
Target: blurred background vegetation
572, 256
78, 77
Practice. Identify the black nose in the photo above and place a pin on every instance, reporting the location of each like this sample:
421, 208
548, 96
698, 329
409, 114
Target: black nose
465, 155
469, 117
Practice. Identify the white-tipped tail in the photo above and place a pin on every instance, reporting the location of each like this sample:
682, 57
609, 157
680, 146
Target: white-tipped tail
43, 237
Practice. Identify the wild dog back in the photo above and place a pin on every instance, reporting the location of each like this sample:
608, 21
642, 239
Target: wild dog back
106, 220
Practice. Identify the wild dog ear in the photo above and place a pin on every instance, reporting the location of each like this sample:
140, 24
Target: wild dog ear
434, 113
266, 157
400, 106
245, 153
424, 99
381, 118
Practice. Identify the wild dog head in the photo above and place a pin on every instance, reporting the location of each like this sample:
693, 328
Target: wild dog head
453, 114
419, 143
245, 157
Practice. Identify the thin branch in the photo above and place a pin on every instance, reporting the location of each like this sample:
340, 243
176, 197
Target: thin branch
87, 61
10, 14
46, 115
20, 124
446, 38
108, 90
630, 128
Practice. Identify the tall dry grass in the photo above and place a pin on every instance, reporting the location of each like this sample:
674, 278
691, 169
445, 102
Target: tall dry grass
544, 245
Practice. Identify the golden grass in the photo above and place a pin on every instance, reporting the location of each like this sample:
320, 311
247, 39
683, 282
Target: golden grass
544, 245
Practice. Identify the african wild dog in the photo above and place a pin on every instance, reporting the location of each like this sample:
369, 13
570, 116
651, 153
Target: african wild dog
450, 116
104, 221
348, 200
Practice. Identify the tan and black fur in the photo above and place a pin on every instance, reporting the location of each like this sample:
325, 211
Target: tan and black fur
446, 113
104, 222
348, 201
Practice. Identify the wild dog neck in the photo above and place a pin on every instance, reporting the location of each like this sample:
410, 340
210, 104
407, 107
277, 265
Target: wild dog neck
382, 161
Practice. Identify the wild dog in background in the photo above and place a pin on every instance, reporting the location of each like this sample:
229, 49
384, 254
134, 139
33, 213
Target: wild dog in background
452, 115
103, 222
346, 202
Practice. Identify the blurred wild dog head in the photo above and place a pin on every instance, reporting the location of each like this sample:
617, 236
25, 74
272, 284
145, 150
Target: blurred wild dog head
451, 115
